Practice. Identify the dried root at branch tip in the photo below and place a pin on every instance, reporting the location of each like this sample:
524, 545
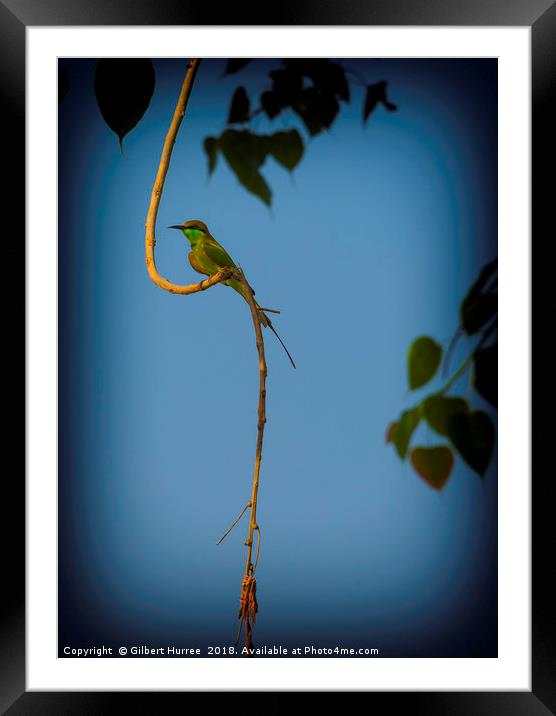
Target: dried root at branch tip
248, 609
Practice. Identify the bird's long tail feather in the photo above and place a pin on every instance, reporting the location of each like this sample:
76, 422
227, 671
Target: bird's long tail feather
282, 342
266, 322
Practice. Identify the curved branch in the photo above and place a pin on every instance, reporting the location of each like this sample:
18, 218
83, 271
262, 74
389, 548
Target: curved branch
150, 225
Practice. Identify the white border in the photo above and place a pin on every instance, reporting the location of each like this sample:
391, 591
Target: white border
511, 670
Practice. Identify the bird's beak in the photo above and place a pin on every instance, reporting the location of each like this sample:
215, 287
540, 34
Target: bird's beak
176, 226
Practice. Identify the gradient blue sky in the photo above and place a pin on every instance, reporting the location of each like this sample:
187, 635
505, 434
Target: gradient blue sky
374, 240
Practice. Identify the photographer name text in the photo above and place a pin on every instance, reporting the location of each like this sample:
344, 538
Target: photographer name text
177, 651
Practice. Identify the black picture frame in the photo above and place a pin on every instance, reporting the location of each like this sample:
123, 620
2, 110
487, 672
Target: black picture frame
540, 15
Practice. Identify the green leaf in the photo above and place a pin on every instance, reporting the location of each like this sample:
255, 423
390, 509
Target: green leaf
211, 148
433, 464
439, 409
481, 303
405, 428
423, 358
63, 82
473, 436
235, 64
245, 152
239, 107
287, 148
485, 375
123, 89
376, 93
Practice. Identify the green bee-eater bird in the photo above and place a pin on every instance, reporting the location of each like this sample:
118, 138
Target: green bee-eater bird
207, 256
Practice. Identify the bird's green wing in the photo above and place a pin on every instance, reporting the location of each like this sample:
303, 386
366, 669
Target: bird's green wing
216, 253
218, 256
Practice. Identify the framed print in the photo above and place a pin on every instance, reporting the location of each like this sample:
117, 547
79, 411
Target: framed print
341, 423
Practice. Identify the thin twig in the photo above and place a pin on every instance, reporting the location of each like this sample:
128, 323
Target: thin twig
258, 547
450, 350
459, 372
234, 523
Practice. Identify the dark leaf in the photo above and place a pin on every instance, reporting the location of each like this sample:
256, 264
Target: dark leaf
123, 88
243, 148
271, 104
485, 376
335, 81
481, 303
391, 431
371, 101
235, 64
473, 435
478, 311
433, 464
63, 82
307, 66
405, 428
287, 86
328, 77
245, 152
423, 358
376, 93
317, 109
287, 148
239, 107
211, 148
256, 184
439, 409
486, 277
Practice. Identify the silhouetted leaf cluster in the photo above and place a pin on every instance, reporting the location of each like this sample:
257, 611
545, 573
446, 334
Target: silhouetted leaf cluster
313, 89
470, 432
246, 152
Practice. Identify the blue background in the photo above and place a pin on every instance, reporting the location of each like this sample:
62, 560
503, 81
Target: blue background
373, 241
